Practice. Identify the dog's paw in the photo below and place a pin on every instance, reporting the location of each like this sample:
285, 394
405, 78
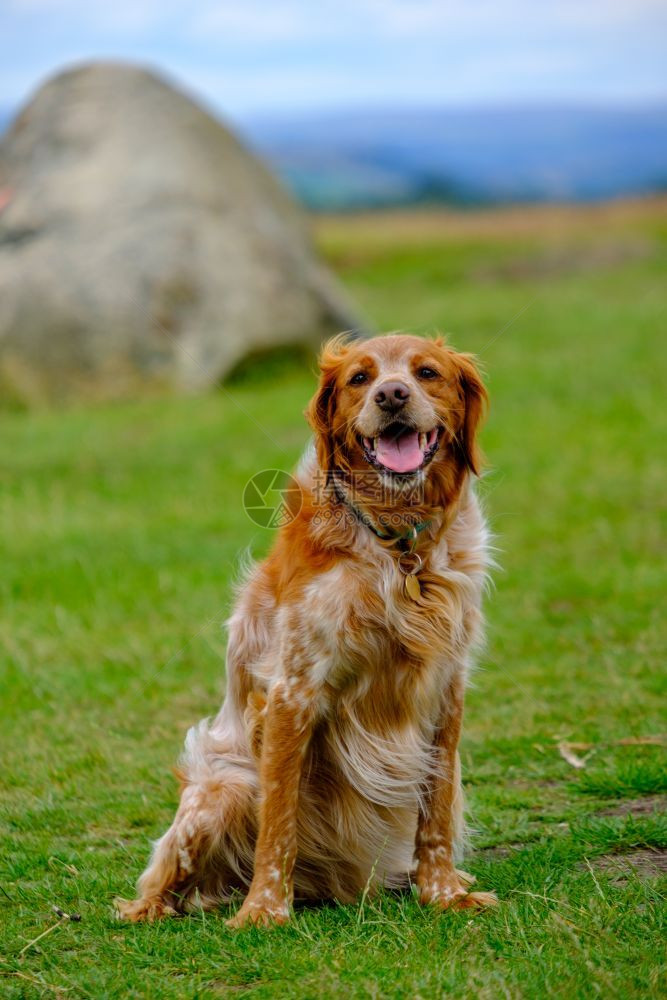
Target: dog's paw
254, 914
450, 889
441, 896
475, 901
148, 910
465, 877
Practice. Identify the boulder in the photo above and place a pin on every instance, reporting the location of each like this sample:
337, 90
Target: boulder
141, 244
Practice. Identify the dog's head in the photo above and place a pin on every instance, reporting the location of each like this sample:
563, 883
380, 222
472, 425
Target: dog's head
400, 405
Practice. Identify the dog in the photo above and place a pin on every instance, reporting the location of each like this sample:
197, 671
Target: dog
332, 767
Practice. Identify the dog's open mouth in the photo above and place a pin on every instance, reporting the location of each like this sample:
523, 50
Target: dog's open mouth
401, 449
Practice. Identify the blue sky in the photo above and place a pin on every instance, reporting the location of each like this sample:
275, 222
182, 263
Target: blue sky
252, 55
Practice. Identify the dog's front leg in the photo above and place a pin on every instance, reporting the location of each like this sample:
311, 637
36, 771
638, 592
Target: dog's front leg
438, 881
287, 730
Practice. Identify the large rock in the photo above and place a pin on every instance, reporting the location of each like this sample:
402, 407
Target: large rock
141, 243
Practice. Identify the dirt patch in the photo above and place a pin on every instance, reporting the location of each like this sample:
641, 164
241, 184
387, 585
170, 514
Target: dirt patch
500, 852
636, 807
647, 863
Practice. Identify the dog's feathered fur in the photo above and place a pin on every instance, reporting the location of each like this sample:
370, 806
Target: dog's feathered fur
333, 762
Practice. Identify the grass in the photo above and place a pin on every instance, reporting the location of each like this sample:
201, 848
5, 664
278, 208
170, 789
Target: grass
122, 528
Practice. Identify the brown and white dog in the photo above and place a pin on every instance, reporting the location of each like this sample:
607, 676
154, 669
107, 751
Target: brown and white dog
333, 765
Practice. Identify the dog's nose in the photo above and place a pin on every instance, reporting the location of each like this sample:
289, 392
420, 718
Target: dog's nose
392, 395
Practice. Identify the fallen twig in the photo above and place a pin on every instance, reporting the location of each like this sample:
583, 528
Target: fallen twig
40, 936
62, 918
74, 917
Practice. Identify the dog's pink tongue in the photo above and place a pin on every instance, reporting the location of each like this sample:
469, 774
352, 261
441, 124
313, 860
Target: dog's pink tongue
400, 454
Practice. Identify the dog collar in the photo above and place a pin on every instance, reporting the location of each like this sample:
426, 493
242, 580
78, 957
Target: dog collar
409, 562
406, 539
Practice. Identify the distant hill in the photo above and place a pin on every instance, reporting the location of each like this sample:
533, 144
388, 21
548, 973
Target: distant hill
361, 158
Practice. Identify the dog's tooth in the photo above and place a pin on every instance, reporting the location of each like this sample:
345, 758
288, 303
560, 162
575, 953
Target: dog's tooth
423, 441
375, 444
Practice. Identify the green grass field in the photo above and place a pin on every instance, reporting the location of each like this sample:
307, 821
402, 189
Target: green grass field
122, 528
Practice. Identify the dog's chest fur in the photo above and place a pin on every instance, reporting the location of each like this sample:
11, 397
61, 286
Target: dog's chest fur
372, 663
361, 637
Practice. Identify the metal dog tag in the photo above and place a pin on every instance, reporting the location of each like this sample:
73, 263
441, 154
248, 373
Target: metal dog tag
410, 563
412, 587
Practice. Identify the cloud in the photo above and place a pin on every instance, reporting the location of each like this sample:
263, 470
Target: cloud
121, 17
253, 22
298, 20
296, 53
301, 20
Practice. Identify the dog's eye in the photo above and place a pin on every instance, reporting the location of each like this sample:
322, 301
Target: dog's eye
359, 378
427, 373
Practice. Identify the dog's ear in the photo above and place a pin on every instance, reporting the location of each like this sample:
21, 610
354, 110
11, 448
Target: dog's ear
321, 410
320, 414
475, 402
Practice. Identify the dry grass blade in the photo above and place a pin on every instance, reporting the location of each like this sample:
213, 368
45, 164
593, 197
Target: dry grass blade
643, 741
566, 752
41, 984
567, 748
